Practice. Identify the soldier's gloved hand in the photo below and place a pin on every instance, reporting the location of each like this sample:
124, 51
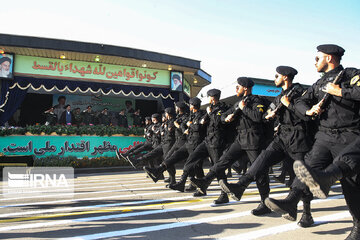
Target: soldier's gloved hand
208, 109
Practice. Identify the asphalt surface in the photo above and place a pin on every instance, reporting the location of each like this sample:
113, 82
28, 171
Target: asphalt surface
127, 205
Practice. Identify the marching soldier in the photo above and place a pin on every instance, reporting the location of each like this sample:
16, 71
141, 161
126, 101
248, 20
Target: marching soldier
335, 100
195, 134
141, 147
247, 113
289, 144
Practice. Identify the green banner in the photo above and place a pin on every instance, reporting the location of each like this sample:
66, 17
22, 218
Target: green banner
68, 69
78, 146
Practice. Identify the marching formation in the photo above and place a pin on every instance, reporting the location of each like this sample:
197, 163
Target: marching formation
314, 131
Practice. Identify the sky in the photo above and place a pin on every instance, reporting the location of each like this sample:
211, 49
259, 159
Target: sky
231, 38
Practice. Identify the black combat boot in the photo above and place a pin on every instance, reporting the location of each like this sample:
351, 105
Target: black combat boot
236, 189
288, 206
190, 188
306, 218
355, 232
281, 177
261, 209
223, 198
179, 186
155, 173
202, 184
319, 182
199, 194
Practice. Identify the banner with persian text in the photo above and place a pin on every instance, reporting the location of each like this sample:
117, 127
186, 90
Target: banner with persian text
63, 146
68, 69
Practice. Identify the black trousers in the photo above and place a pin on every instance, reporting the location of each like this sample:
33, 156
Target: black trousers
147, 146
202, 151
326, 148
182, 154
351, 181
157, 153
234, 154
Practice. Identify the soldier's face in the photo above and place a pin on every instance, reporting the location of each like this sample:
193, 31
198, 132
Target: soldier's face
240, 90
279, 80
321, 62
154, 120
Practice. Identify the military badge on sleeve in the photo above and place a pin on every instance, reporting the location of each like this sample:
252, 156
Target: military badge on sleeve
355, 80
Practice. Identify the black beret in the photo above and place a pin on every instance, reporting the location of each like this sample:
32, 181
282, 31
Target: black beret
5, 59
155, 115
180, 104
331, 49
286, 70
245, 82
195, 101
176, 76
170, 110
213, 92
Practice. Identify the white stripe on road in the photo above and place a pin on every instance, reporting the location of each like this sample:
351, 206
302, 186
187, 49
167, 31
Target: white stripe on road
123, 215
173, 225
285, 227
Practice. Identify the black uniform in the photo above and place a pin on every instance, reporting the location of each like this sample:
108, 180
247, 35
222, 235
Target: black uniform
144, 146
249, 139
138, 120
290, 143
122, 121
104, 119
167, 136
213, 144
50, 118
338, 124
193, 139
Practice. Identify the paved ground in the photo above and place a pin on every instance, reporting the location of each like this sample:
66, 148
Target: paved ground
130, 206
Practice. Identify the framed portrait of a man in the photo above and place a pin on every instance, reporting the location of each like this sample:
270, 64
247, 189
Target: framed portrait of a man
176, 81
7, 66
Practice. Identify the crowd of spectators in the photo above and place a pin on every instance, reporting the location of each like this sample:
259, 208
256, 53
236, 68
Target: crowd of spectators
64, 115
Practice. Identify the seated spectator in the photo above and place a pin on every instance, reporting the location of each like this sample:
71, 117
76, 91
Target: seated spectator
88, 116
104, 117
67, 117
122, 119
138, 120
50, 117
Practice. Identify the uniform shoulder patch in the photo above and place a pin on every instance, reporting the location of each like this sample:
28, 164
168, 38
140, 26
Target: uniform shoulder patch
354, 80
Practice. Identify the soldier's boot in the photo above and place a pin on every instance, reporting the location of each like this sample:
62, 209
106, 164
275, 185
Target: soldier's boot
202, 184
179, 186
261, 209
355, 232
306, 219
236, 189
288, 206
319, 182
167, 180
199, 194
223, 198
190, 188
155, 173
